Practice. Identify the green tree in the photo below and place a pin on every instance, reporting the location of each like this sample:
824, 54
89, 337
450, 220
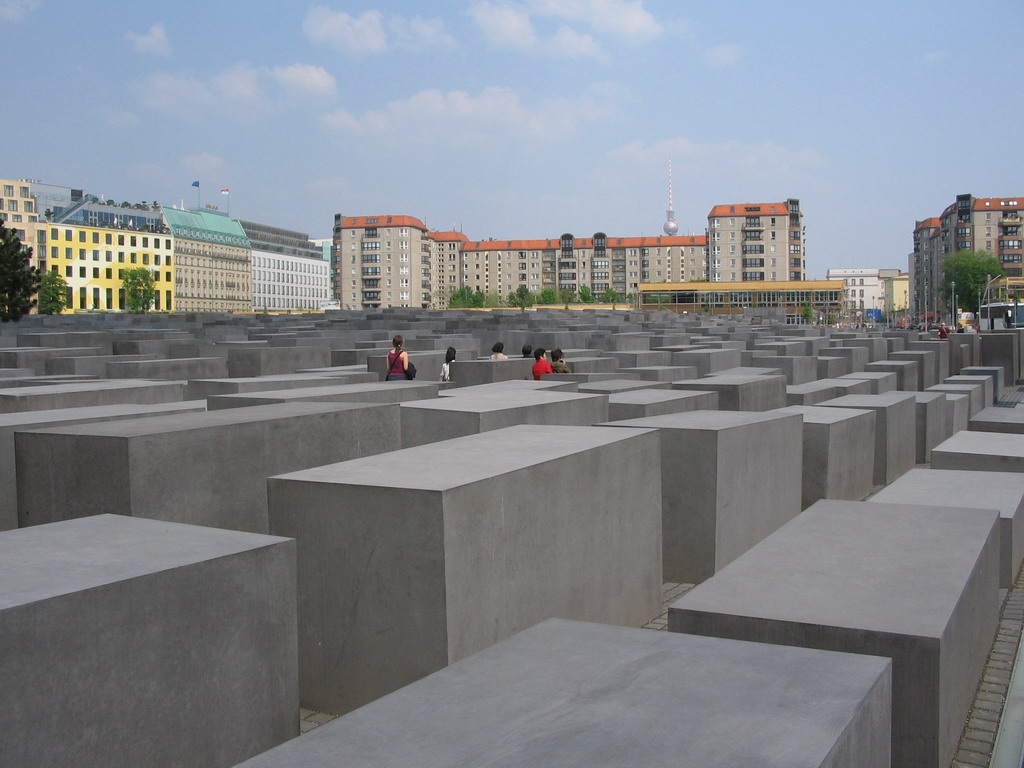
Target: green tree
139, 289
53, 293
547, 296
19, 280
521, 297
565, 296
586, 295
970, 270
465, 298
609, 296
492, 300
807, 313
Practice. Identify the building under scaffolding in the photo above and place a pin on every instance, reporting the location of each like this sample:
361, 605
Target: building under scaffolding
815, 301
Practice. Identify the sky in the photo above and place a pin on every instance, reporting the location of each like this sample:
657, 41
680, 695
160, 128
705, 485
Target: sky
525, 119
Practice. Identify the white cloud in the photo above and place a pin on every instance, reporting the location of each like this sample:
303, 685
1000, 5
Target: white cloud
723, 55
371, 32
240, 89
16, 10
154, 41
513, 25
458, 118
305, 77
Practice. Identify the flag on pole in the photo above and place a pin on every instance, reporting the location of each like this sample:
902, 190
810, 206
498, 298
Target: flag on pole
195, 183
225, 191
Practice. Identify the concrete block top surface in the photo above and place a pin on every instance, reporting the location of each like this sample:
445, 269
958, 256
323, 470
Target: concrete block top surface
896, 568
23, 419
647, 396
193, 420
816, 414
703, 420
1000, 415
45, 561
510, 398
983, 444
1002, 491
464, 460
883, 400
86, 386
501, 388
577, 695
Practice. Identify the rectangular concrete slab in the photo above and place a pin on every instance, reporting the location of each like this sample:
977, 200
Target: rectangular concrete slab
839, 448
415, 559
19, 422
641, 403
742, 393
128, 642
444, 418
1001, 491
89, 393
919, 584
207, 468
1009, 420
577, 695
987, 451
708, 517
895, 430
369, 392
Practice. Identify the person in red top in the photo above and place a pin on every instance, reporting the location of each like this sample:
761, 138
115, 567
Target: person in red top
943, 331
542, 365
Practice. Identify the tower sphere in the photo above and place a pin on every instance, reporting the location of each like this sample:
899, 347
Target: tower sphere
671, 227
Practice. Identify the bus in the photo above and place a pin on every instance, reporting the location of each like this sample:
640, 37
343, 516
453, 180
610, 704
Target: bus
1001, 314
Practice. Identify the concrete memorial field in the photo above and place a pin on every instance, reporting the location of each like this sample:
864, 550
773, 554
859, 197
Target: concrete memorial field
211, 525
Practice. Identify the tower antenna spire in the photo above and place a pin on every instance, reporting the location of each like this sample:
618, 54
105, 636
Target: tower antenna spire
671, 227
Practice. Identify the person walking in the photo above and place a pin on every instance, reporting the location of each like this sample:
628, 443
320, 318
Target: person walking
398, 360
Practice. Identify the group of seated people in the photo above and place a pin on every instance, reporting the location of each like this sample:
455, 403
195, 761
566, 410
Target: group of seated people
541, 365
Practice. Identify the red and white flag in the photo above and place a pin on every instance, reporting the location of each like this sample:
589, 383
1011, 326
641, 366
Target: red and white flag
225, 191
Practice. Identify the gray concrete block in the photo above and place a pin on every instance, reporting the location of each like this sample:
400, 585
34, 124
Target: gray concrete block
848, 386
918, 584
856, 357
927, 365
994, 372
90, 393
131, 642
412, 560
932, 424
614, 386
797, 370
206, 468
468, 373
881, 381
499, 388
907, 377
34, 358
601, 695
372, 392
987, 383
942, 359
244, 362
875, 345
975, 393
742, 393
708, 361
200, 389
895, 430
661, 372
838, 453
830, 367
810, 393
89, 365
20, 422
710, 519
957, 412
170, 369
1001, 491
1009, 420
986, 451
641, 403
444, 418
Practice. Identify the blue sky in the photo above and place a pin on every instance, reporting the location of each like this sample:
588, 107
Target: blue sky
526, 118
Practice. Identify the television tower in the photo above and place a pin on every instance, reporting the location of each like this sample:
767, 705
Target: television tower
671, 227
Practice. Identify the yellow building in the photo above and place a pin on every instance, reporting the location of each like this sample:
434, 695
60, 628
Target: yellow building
93, 259
823, 297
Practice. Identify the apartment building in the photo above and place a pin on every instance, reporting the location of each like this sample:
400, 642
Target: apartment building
288, 269
373, 260
93, 260
757, 242
213, 259
992, 224
863, 297
19, 213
